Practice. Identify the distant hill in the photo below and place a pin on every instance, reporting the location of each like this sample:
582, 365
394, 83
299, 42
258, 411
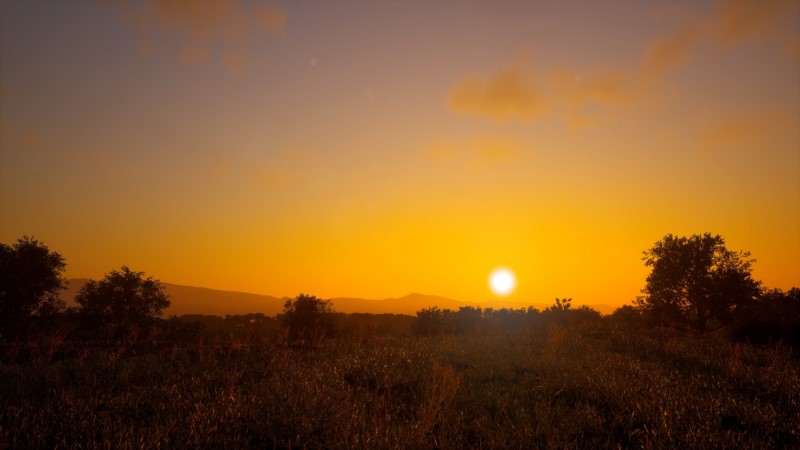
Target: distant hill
197, 300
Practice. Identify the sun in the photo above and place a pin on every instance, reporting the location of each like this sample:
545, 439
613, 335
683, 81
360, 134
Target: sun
502, 281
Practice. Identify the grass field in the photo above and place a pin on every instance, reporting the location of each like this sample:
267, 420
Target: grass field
554, 388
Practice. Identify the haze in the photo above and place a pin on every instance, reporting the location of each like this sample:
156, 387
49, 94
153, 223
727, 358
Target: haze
373, 149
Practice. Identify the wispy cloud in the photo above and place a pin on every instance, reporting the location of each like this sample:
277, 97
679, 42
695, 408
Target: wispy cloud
668, 53
743, 19
576, 93
756, 127
205, 28
509, 94
522, 93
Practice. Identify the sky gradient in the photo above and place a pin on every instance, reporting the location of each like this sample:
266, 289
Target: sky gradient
372, 149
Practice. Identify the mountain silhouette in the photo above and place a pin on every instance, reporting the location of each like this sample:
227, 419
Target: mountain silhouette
199, 300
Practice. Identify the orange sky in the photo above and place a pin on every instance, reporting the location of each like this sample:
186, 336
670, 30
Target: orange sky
372, 149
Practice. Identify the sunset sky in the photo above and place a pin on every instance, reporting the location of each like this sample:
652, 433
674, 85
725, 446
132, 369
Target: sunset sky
373, 149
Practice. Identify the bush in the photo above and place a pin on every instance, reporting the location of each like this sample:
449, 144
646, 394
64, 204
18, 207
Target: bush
308, 317
121, 305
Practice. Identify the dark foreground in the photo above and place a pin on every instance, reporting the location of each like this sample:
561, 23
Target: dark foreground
553, 389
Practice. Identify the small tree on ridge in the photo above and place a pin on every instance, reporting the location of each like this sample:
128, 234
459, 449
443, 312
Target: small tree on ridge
122, 302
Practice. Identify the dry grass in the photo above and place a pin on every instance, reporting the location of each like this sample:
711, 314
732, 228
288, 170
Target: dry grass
555, 389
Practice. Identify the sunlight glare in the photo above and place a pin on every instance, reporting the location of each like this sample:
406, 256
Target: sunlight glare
502, 281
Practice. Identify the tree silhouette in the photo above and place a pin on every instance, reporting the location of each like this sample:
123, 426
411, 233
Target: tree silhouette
467, 319
775, 316
430, 321
30, 281
307, 316
696, 282
121, 303
504, 320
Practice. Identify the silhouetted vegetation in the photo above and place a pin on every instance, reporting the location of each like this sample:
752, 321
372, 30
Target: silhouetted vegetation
116, 375
308, 318
774, 317
696, 282
121, 305
430, 321
363, 325
474, 320
30, 283
216, 330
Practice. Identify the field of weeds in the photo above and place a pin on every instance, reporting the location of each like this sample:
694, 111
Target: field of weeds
554, 389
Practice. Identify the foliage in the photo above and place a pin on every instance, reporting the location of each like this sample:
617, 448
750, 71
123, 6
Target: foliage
474, 320
368, 325
122, 303
30, 282
696, 282
430, 321
505, 320
467, 319
561, 305
775, 316
251, 328
308, 317
627, 317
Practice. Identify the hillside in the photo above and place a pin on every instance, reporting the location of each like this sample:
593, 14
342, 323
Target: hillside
198, 300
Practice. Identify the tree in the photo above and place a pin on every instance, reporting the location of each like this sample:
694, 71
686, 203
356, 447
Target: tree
122, 302
775, 316
696, 282
429, 321
627, 316
504, 320
307, 316
30, 282
467, 319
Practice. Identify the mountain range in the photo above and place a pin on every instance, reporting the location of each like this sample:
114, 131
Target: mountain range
199, 300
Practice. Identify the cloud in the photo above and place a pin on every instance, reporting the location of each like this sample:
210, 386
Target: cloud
583, 96
204, 26
732, 22
668, 53
520, 93
764, 127
578, 94
600, 87
740, 19
509, 94
766, 23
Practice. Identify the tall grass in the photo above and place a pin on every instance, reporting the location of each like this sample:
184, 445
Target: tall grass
553, 389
